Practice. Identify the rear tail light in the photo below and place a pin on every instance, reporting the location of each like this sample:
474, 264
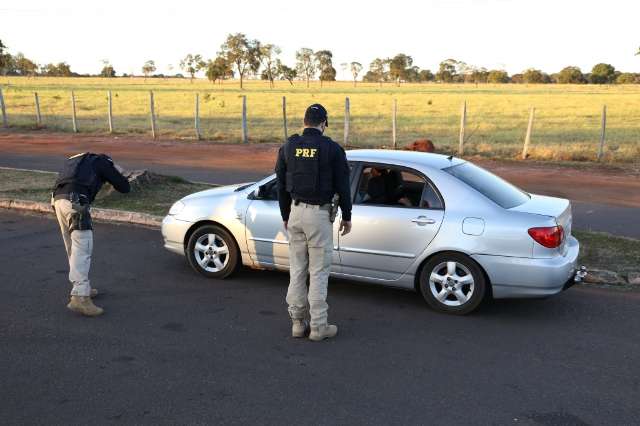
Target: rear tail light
550, 236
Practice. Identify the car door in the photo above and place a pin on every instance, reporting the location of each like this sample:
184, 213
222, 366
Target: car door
396, 214
267, 239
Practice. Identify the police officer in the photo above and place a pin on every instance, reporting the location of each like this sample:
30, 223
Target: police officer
311, 168
75, 189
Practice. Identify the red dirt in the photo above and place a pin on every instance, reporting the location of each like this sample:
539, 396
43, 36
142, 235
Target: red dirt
593, 184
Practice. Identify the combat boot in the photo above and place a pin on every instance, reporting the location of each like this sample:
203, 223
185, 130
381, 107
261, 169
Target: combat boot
84, 305
323, 332
300, 327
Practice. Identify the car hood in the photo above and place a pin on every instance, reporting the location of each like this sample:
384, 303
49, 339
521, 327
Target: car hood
214, 192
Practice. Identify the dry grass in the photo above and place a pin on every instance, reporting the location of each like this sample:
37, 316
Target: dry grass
567, 126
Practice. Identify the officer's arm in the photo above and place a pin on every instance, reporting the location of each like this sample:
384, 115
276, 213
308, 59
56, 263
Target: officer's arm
284, 198
341, 181
108, 172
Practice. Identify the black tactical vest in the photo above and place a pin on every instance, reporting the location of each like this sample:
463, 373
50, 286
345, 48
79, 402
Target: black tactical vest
309, 175
79, 170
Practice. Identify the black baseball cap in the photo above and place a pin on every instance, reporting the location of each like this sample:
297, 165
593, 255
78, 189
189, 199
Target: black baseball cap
316, 113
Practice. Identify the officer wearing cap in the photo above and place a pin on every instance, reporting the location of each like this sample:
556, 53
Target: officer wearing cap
311, 169
75, 189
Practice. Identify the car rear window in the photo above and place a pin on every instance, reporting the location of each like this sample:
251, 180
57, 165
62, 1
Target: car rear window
491, 186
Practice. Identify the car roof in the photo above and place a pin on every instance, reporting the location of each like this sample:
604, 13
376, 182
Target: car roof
436, 161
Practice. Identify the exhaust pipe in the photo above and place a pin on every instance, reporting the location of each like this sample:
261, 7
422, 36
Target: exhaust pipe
580, 274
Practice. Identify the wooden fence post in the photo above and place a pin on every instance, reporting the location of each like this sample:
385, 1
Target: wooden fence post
197, 117
394, 123
463, 123
527, 138
110, 111
36, 100
152, 111
347, 117
5, 122
73, 113
602, 132
245, 135
284, 117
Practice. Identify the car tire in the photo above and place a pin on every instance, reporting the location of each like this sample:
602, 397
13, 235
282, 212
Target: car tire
213, 252
452, 283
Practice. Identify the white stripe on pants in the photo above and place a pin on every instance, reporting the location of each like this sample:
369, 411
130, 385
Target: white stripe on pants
79, 245
310, 253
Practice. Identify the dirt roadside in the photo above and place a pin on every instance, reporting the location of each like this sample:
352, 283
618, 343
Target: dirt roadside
586, 183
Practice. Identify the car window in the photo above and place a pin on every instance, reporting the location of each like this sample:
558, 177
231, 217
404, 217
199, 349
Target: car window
269, 190
491, 186
391, 186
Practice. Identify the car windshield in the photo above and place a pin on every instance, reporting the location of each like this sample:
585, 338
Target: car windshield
491, 186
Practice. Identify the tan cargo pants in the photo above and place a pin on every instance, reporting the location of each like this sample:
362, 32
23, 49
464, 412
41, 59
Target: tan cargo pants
310, 253
79, 245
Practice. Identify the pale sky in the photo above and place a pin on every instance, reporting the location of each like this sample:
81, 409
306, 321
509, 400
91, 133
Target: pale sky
513, 35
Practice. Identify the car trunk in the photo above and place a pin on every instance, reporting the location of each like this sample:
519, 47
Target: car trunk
557, 208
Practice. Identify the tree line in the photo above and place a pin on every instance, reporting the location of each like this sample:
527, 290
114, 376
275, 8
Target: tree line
241, 57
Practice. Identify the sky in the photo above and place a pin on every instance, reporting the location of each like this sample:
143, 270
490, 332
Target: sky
512, 35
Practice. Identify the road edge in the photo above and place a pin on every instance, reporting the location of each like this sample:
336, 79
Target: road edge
107, 215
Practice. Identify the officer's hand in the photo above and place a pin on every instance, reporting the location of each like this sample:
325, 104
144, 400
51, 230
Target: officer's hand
345, 227
285, 224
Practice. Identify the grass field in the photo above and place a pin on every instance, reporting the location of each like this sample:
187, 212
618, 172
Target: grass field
567, 125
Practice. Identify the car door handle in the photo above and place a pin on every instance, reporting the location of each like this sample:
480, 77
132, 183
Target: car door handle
423, 220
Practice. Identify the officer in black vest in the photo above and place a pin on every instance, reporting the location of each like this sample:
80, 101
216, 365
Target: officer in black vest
311, 170
75, 189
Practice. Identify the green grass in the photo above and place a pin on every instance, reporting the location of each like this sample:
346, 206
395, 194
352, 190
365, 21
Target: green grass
154, 199
603, 251
567, 125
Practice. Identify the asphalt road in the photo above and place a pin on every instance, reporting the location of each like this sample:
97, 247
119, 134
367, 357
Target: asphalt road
176, 348
617, 220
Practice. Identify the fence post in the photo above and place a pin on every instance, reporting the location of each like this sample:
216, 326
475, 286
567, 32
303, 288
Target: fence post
463, 123
73, 113
245, 136
394, 123
153, 115
197, 117
110, 111
284, 117
527, 138
5, 122
602, 132
347, 117
38, 116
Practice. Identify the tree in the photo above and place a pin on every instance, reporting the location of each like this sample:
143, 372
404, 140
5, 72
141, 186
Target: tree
603, 74
497, 77
532, 76
355, 68
426, 75
325, 64
398, 66
6, 60
306, 65
191, 64
267, 55
570, 75
286, 73
517, 78
628, 78
447, 71
24, 65
148, 68
241, 52
219, 69
107, 69
378, 71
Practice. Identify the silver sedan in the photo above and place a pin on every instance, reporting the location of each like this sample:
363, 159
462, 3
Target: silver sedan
438, 225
